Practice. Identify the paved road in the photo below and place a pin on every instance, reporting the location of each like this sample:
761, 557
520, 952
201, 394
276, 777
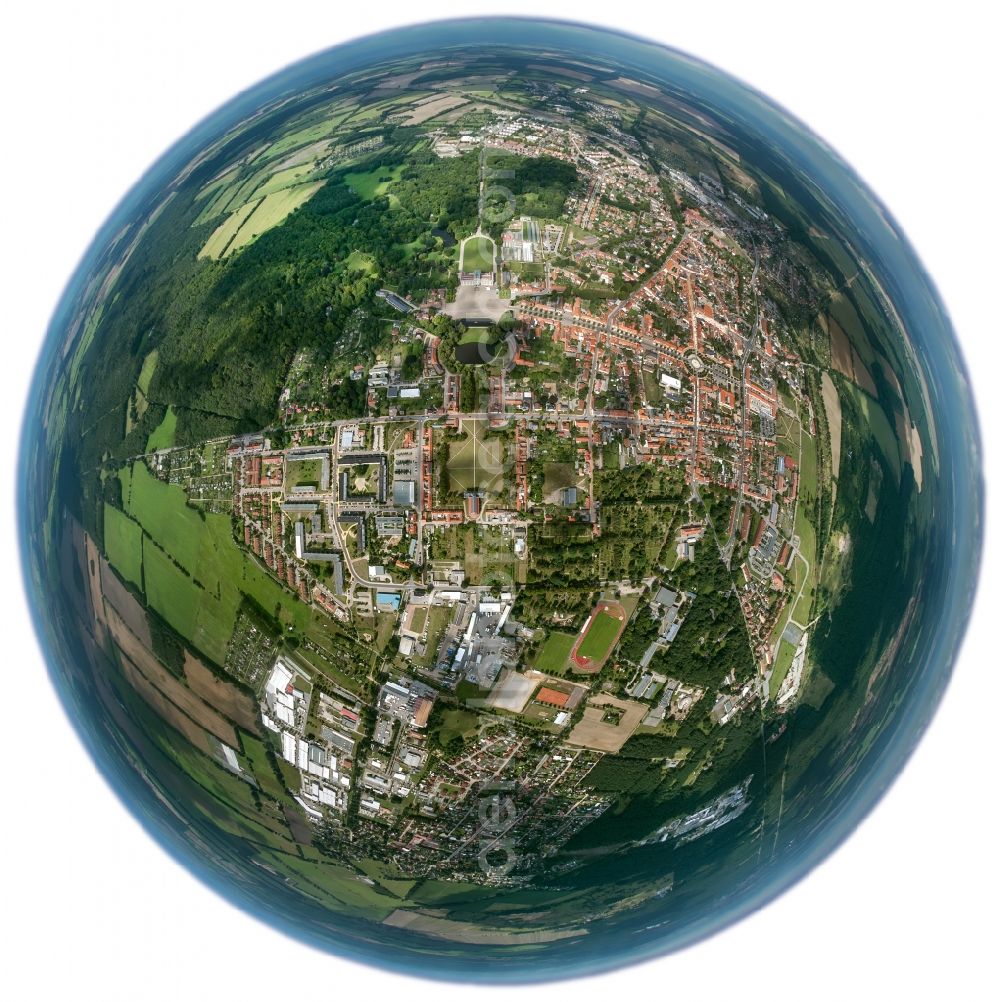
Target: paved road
748, 350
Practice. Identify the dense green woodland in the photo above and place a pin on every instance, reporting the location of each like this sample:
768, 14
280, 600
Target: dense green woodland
539, 187
226, 331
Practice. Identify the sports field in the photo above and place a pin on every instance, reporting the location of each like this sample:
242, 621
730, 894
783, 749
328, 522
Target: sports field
554, 652
599, 636
477, 254
475, 462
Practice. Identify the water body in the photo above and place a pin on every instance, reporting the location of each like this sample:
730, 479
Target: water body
445, 235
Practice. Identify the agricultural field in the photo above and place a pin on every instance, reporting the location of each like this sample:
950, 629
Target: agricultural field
257, 216
195, 574
311, 133
123, 543
282, 179
270, 212
218, 243
170, 591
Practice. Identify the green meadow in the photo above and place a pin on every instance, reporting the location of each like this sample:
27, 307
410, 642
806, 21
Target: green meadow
195, 573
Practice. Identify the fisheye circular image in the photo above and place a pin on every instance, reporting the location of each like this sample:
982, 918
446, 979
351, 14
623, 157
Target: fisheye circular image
500, 500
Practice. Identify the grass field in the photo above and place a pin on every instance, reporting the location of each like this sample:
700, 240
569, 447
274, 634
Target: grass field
123, 542
607, 723
146, 372
600, 636
457, 723
373, 183
272, 211
475, 335
162, 511
419, 620
881, 429
162, 436
387, 876
558, 476
202, 604
302, 471
266, 209
797, 573
223, 234
170, 591
782, 662
338, 887
808, 467
554, 652
437, 619
360, 261
477, 254
257, 755
476, 462
284, 179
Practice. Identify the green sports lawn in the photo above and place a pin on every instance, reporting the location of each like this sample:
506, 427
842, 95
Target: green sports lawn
786, 652
554, 652
600, 636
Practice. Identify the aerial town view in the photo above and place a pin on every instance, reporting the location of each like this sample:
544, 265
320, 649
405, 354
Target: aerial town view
462, 465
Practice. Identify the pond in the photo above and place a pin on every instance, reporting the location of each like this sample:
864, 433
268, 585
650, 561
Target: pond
446, 236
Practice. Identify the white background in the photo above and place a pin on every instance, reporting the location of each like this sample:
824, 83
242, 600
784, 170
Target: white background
93, 93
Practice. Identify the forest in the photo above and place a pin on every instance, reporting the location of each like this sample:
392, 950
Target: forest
226, 331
